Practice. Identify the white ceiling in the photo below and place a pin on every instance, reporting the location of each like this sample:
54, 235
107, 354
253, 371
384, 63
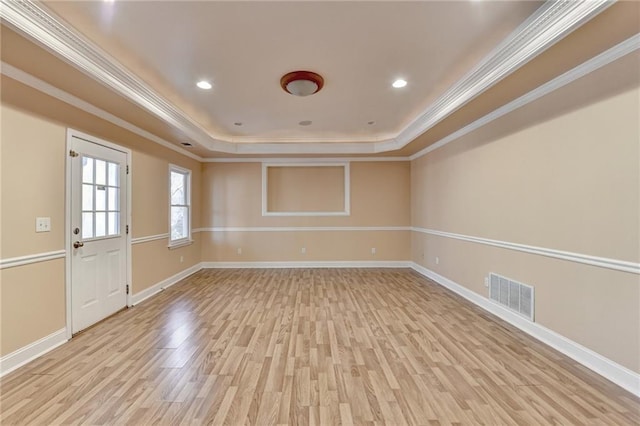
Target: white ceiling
153, 52
244, 48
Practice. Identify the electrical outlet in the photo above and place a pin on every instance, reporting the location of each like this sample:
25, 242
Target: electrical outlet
181, 259
43, 224
437, 260
486, 281
303, 250
239, 250
373, 250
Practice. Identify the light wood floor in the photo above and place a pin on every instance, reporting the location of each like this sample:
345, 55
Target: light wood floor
300, 347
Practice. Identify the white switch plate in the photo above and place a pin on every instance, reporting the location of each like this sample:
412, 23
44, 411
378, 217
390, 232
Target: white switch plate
437, 260
373, 250
303, 250
43, 224
239, 250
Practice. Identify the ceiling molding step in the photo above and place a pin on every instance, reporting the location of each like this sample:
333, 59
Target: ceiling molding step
59, 94
313, 160
616, 52
34, 20
546, 26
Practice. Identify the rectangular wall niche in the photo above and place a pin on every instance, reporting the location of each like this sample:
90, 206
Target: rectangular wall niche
301, 189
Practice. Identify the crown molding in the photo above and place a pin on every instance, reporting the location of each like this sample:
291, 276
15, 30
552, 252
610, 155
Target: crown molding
605, 58
550, 23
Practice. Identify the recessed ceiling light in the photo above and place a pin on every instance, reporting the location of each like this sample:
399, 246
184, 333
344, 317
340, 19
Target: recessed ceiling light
203, 84
399, 83
237, 123
305, 123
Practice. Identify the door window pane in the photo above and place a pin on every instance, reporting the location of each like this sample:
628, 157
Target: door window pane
113, 174
87, 225
101, 198
101, 172
101, 224
87, 197
87, 170
114, 223
113, 199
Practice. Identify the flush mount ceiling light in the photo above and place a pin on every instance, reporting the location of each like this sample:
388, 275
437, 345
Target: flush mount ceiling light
399, 83
203, 84
302, 83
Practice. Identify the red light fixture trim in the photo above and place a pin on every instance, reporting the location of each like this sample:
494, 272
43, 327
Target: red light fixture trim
302, 83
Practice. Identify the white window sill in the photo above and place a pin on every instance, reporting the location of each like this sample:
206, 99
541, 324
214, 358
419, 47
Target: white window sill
178, 244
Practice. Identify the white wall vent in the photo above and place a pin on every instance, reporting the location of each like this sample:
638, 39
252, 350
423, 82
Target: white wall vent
514, 295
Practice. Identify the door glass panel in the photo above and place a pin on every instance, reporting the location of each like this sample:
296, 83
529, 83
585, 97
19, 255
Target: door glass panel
87, 197
101, 172
113, 199
87, 225
101, 198
100, 202
113, 174
113, 222
87, 169
101, 224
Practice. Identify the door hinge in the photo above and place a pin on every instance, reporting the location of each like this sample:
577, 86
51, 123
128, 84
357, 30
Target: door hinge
127, 288
72, 153
127, 229
127, 169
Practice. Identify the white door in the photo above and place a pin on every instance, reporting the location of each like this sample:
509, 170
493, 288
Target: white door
98, 232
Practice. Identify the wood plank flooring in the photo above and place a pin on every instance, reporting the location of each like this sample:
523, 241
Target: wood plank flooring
308, 347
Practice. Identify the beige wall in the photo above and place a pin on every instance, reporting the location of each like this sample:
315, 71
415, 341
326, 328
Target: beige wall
306, 189
232, 197
561, 173
33, 153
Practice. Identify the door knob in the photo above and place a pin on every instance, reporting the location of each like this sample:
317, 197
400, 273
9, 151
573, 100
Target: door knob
78, 244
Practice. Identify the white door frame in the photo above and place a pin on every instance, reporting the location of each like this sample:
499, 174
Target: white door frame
67, 214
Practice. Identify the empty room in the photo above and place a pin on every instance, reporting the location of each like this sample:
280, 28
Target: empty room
320, 212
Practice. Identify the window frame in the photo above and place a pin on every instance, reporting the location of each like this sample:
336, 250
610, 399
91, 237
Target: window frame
187, 173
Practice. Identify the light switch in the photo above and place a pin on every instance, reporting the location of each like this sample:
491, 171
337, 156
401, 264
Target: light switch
43, 224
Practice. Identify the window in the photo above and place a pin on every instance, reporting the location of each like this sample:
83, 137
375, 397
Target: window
100, 198
180, 206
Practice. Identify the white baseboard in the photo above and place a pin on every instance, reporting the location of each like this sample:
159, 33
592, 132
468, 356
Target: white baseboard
168, 282
316, 264
607, 368
20, 357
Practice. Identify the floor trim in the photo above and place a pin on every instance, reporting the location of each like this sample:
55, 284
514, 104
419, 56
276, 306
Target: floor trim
167, 282
312, 264
607, 368
26, 354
